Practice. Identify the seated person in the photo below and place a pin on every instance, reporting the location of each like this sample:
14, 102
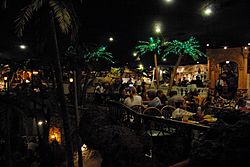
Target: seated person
154, 101
174, 97
161, 96
179, 112
133, 98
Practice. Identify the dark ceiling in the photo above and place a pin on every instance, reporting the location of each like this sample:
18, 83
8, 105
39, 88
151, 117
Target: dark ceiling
129, 21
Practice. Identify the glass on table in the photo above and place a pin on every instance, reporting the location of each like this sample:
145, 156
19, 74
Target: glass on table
185, 118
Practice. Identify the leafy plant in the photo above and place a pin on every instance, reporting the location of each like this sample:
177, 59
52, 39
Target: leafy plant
185, 48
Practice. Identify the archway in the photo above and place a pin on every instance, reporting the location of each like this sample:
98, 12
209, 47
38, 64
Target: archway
237, 55
229, 75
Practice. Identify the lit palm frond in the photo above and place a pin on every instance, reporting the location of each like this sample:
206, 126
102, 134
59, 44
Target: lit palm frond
154, 45
190, 47
99, 53
26, 14
59, 9
61, 14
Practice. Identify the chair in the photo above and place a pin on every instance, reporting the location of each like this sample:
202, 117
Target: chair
167, 111
138, 108
153, 111
155, 130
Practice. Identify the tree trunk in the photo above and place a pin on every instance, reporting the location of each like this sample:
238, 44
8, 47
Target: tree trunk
79, 151
62, 101
156, 71
174, 73
78, 84
84, 90
9, 152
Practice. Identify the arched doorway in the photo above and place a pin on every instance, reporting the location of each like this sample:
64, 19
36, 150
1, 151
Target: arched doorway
217, 58
229, 75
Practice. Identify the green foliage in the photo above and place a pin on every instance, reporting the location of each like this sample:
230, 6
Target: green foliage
99, 53
190, 47
90, 55
154, 45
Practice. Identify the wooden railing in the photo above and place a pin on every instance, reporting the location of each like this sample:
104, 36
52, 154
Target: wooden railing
155, 126
125, 116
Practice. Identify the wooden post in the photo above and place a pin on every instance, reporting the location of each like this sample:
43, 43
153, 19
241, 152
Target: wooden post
156, 71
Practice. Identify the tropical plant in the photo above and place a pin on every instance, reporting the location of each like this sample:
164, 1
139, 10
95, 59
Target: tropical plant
189, 47
89, 57
63, 12
153, 46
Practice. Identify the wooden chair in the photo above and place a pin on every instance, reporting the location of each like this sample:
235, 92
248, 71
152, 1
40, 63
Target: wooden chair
153, 129
153, 111
138, 108
167, 111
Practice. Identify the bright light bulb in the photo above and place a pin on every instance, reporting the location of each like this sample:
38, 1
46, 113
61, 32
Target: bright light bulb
168, 1
22, 46
134, 54
157, 30
84, 147
208, 11
225, 47
111, 39
40, 123
164, 59
207, 44
71, 79
227, 62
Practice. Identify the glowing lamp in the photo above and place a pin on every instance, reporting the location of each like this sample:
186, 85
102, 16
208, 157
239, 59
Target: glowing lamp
35, 72
208, 11
111, 39
168, 1
22, 46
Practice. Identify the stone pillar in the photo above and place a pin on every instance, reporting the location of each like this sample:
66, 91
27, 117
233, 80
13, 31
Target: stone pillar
248, 85
212, 74
245, 59
241, 78
208, 68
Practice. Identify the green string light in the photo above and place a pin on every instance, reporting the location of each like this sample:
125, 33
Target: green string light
190, 47
87, 56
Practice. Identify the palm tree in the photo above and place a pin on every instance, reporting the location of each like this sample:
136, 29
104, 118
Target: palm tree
89, 57
63, 13
153, 46
189, 47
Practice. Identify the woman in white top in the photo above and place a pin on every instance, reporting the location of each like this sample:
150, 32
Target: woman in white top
133, 98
